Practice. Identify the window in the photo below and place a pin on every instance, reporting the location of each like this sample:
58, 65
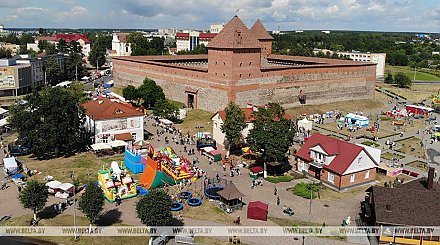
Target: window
224, 63
331, 177
250, 63
352, 177
249, 75
360, 161
241, 75
241, 64
367, 174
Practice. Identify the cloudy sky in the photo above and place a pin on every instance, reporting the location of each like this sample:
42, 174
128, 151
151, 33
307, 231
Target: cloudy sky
376, 15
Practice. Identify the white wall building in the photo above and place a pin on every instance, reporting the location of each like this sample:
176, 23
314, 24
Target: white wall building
120, 47
378, 58
110, 120
189, 40
216, 28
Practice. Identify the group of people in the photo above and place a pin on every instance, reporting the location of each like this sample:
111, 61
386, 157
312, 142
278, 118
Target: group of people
61, 206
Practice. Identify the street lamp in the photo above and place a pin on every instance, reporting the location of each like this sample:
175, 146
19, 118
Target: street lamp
72, 176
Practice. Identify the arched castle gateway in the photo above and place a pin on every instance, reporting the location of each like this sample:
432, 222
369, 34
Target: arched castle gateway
240, 67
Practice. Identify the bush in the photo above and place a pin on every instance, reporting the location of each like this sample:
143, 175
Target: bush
303, 190
370, 143
278, 179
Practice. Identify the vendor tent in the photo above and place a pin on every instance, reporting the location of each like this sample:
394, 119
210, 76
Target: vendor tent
216, 155
117, 143
257, 170
257, 210
101, 146
53, 184
10, 166
305, 124
357, 120
165, 122
85, 78
4, 122
67, 187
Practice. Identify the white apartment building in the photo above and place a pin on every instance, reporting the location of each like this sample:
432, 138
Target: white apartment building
216, 28
188, 40
378, 58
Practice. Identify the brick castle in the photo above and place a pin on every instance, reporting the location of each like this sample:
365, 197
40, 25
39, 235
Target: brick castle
240, 67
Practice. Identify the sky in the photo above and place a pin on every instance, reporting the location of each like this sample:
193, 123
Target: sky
361, 15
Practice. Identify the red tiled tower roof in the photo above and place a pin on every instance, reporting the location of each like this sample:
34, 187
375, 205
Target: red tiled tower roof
260, 32
234, 35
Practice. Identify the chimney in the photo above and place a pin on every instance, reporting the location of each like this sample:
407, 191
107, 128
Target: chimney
430, 183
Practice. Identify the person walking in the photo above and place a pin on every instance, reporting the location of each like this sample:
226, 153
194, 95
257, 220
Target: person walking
278, 201
275, 191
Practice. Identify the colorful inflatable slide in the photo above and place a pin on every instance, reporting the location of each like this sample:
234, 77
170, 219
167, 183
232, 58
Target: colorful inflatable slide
115, 182
159, 167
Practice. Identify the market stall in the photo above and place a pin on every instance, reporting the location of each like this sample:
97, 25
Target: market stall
257, 210
305, 125
10, 166
357, 120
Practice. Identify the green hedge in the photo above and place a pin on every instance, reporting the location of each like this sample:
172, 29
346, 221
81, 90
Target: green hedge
303, 190
278, 179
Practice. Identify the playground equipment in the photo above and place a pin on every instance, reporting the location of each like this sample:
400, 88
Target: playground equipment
115, 182
212, 192
185, 194
161, 167
177, 206
194, 201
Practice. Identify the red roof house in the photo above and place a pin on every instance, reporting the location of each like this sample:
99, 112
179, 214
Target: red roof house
338, 164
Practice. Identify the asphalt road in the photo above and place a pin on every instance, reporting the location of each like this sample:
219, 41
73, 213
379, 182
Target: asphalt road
426, 82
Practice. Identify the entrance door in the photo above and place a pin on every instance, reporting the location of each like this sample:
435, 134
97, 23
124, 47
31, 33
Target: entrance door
191, 101
318, 173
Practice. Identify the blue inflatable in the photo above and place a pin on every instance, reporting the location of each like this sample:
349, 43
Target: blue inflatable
185, 195
177, 206
194, 201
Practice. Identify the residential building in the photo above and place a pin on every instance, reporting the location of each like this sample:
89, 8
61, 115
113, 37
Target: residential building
167, 32
216, 28
238, 69
219, 119
378, 58
404, 206
191, 39
120, 47
80, 38
338, 164
15, 79
111, 119
37, 66
13, 47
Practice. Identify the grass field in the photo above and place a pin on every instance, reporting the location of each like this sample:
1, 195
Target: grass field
85, 165
419, 165
416, 93
117, 90
196, 118
389, 156
411, 146
67, 220
208, 211
420, 75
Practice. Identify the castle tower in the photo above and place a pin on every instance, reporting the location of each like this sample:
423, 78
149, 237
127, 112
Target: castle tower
259, 32
234, 54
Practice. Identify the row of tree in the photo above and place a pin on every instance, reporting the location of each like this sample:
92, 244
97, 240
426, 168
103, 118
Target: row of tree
402, 48
141, 45
400, 79
152, 210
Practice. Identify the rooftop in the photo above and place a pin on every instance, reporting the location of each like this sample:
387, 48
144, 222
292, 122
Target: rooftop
409, 204
260, 32
104, 108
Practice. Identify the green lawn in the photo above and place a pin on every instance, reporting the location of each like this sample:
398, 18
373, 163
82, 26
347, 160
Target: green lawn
410, 73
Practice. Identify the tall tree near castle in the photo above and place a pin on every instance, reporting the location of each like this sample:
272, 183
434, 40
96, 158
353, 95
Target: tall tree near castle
272, 134
233, 125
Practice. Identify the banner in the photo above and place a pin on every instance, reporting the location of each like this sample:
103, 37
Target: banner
220, 231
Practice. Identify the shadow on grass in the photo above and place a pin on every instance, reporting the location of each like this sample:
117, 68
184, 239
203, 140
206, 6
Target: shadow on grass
110, 217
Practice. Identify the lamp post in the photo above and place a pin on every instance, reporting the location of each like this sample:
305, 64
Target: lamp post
72, 176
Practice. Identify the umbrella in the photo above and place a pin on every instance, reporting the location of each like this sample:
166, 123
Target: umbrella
141, 143
246, 150
437, 134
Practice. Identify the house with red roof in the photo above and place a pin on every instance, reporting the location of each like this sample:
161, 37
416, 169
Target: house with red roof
111, 119
338, 164
219, 118
55, 39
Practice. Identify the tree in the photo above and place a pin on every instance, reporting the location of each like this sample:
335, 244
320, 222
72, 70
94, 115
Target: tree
402, 80
51, 49
51, 124
5, 53
150, 93
272, 133
154, 209
98, 51
26, 38
166, 109
42, 31
131, 93
42, 45
233, 125
74, 67
62, 46
91, 203
34, 196
389, 78
54, 75
75, 47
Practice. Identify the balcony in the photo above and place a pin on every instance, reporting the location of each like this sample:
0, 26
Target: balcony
317, 163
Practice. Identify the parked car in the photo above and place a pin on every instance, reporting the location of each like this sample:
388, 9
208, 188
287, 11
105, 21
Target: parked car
19, 150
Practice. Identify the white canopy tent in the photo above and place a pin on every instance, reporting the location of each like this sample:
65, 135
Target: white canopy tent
207, 149
4, 122
10, 166
3, 111
117, 143
53, 184
67, 187
165, 122
85, 78
305, 124
101, 146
